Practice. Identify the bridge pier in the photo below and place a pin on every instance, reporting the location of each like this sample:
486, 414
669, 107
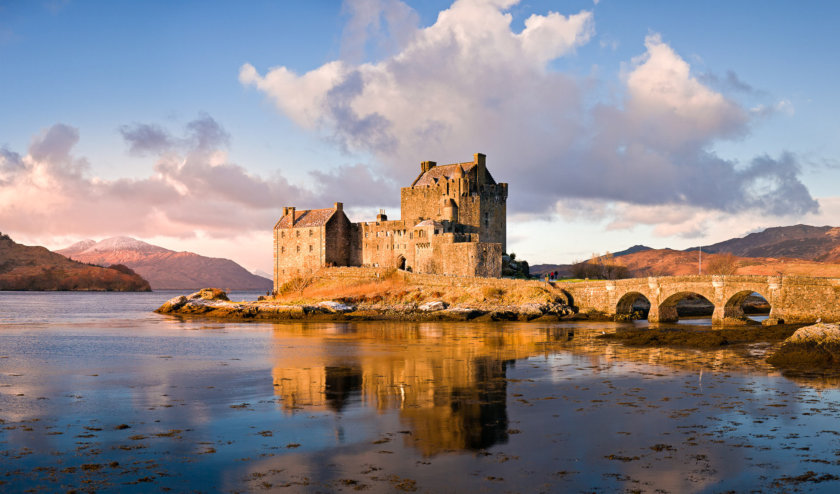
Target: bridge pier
732, 315
663, 313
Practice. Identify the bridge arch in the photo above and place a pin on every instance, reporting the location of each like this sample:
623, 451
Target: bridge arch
631, 305
667, 310
733, 309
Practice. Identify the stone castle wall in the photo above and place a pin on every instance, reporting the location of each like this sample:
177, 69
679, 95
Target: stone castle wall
444, 208
298, 250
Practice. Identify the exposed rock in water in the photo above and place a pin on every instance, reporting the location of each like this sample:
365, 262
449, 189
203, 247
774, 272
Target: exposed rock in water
811, 347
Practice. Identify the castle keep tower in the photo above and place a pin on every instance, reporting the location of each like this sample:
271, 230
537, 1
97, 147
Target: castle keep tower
463, 194
453, 222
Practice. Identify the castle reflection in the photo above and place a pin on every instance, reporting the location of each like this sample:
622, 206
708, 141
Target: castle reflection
449, 382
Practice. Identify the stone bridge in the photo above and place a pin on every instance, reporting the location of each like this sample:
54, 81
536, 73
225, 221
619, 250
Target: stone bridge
792, 299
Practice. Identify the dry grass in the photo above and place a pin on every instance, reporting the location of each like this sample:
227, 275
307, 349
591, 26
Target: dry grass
393, 289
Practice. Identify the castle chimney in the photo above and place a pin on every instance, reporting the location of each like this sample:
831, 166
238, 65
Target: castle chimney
338, 206
291, 210
381, 216
481, 168
427, 165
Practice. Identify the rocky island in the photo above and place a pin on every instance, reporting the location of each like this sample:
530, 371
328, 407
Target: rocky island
386, 294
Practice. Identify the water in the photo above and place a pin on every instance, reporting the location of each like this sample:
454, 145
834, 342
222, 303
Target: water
98, 393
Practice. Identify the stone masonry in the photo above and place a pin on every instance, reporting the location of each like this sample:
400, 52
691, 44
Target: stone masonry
453, 222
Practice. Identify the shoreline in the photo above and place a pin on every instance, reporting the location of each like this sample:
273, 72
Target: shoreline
213, 303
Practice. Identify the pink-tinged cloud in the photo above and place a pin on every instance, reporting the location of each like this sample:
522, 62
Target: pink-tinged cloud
192, 188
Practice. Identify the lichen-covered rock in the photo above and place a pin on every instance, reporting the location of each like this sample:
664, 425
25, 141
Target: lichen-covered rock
209, 294
811, 347
173, 304
818, 333
433, 306
332, 306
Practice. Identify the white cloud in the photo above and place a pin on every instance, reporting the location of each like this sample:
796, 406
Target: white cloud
470, 83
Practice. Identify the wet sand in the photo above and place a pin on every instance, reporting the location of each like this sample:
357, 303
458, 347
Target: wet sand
139, 403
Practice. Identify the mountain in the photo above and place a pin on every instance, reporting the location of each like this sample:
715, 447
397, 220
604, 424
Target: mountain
166, 269
814, 243
632, 250
565, 270
24, 267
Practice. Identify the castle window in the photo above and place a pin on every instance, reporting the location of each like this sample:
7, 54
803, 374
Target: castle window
282, 234
310, 232
310, 248
282, 250
297, 233
298, 248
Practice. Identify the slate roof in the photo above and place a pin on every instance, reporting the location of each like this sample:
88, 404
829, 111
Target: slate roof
306, 218
434, 174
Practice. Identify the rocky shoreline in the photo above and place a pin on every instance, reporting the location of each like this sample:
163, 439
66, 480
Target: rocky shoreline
214, 303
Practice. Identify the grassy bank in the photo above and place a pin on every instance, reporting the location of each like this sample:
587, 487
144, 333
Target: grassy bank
393, 289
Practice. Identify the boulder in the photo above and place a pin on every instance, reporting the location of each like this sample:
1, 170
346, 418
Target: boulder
818, 333
332, 306
209, 294
173, 304
433, 306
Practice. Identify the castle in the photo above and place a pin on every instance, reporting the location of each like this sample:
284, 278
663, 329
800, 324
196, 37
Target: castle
453, 222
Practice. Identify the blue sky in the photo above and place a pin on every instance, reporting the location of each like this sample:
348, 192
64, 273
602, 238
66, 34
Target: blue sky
84, 86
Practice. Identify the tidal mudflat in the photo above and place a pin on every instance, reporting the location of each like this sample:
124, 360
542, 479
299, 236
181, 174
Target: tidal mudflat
97, 393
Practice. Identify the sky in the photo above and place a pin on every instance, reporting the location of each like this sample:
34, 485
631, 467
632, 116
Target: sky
191, 124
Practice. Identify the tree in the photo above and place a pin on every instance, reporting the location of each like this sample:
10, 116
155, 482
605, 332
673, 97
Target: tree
724, 264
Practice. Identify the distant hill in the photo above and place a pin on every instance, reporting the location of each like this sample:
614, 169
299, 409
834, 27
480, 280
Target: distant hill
632, 250
814, 243
166, 269
565, 270
668, 262
24, 267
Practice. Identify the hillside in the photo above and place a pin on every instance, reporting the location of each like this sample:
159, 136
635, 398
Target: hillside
565, 270
24, 267
812, 243
667, 262
166, 269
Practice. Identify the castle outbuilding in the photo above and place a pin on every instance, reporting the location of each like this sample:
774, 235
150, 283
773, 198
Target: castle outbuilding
453, 222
